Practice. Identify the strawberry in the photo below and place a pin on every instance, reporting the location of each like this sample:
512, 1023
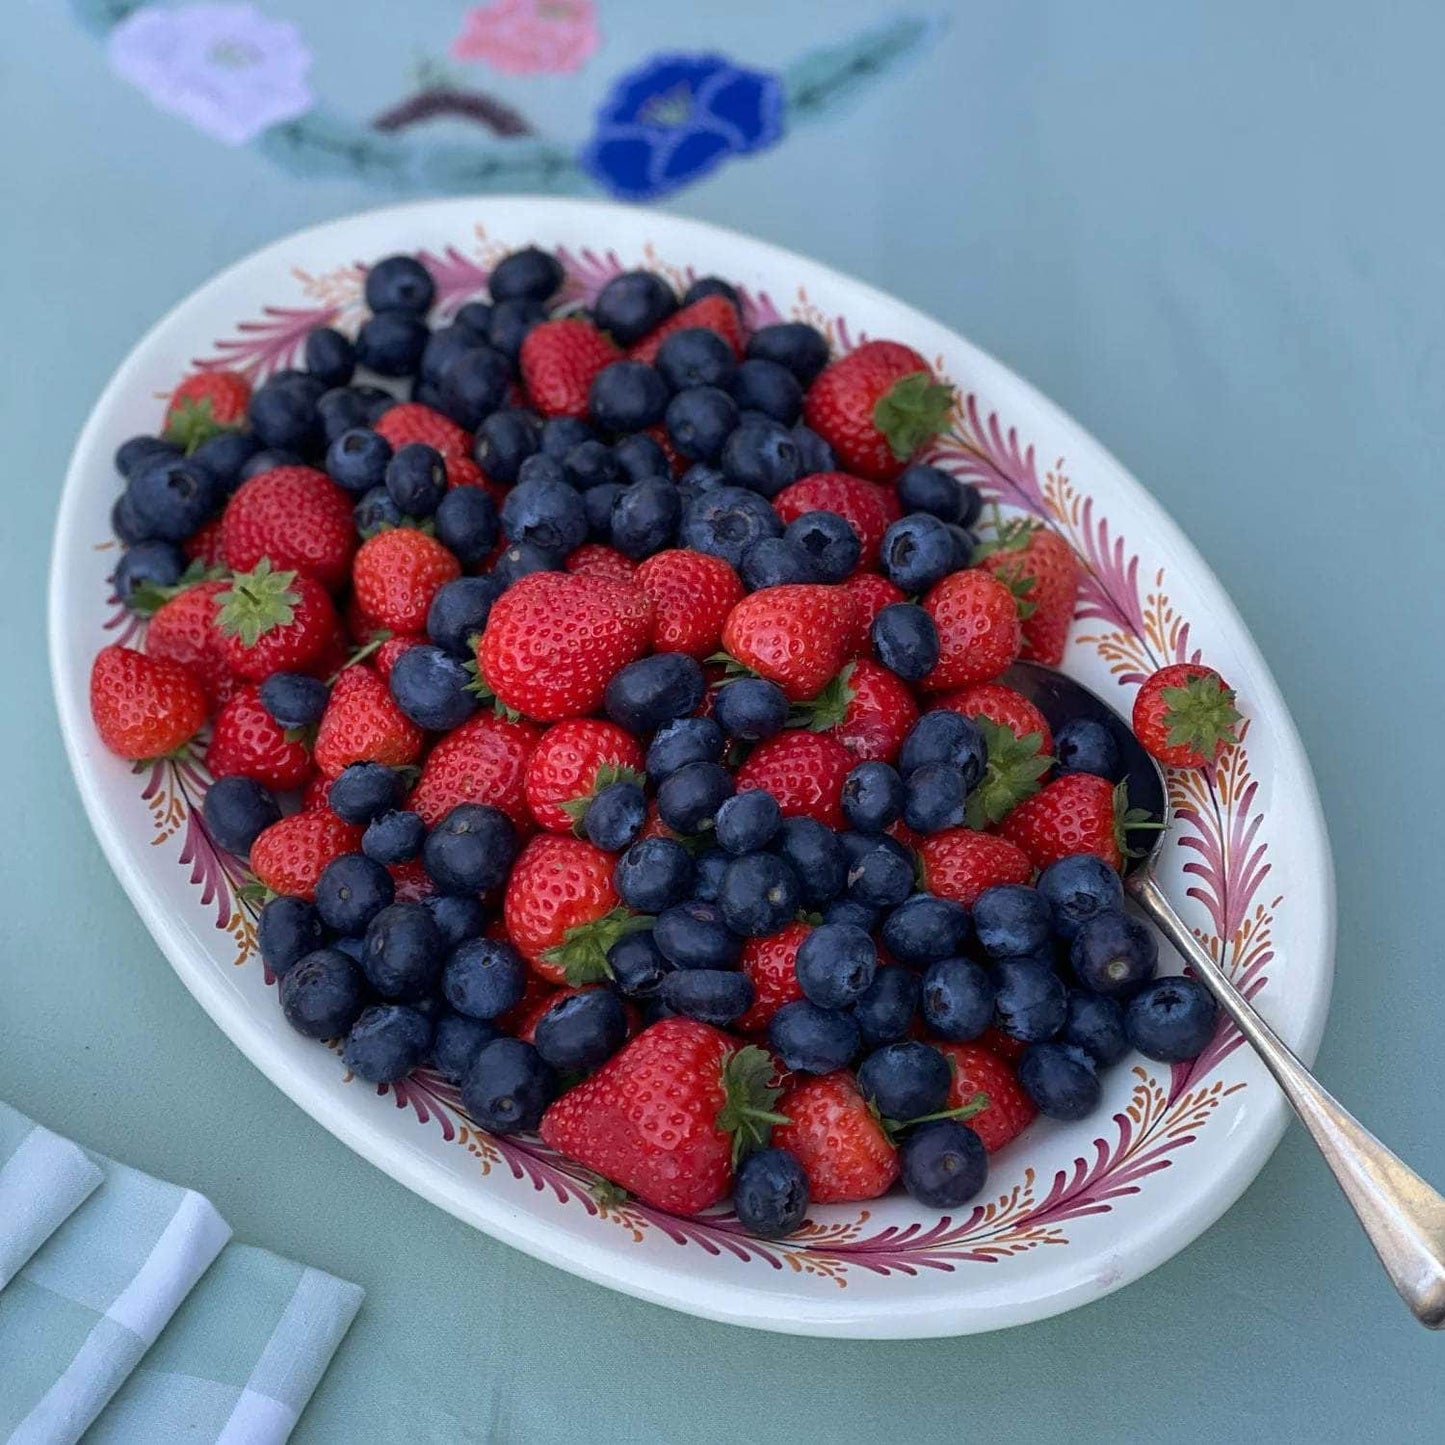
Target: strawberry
412, 422
871, 593
796, 635
1008, 1111
411, 881
559, 361
396, 575
998, 1043
804, 771
184, 630
482, 761
205, 404
959, 863
297, 518
876, 407
247, 741
770, 964
537, 997
866, 507
838, 1140
386, 655
290, 855
144, 707
668, 1116
1041, 571
677, 464
316, 793
1011, 774
573, 761
979, 634
206, 546
1185, 715
868, 709
1000, 704
597, 560
1078, 813
713, 313
273, 622
692, 594
362, 724
554, 640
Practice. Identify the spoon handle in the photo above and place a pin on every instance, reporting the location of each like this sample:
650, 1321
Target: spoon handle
1402, 1215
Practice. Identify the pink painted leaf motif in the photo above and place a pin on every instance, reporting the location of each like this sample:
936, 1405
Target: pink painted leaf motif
529, 37
261, 347
458, 278
1109, 586
587, 274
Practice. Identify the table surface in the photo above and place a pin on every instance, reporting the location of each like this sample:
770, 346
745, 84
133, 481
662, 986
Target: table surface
1214, 238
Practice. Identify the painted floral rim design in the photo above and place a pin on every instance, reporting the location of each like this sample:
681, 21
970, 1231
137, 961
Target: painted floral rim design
1136, 629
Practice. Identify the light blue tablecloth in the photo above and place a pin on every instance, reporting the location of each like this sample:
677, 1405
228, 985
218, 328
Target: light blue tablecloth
1214, 234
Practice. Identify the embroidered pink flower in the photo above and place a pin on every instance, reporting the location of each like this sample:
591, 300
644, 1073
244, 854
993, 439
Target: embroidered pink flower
527, 37
226, 68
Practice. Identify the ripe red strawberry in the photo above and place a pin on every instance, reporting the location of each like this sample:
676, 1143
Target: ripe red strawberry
297, 518
1010, 1050
385, 656
1078, 813
554, 640
247, 741
396, 575
668, 1116
273, 622
1012, 773
412, 422
1185, 715
838, 1140
290, 855
871, 593
411, 881
206, 546
978, 626
571, 762
692, 594
597, 560
482, 761
796, 635
677, 464
1003, 705
959, 863
876, 407
520, 1021
868, 709
559, 360
866, 507
804, 771
1041, 571
977, 1071
144, 707
362, 724
713, 313
316, 793
184, 631
771, 965
205, 404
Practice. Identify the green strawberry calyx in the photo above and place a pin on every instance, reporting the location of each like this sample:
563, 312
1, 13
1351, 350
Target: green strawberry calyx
1013, 772
480, 686
749, 1094
257, 602
912, 411
1129, 820
1200, 714
582, 954
976, 1104
826, 711
149, 597
193, 422
607, 774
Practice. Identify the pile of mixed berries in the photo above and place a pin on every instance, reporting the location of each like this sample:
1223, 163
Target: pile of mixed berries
615, 724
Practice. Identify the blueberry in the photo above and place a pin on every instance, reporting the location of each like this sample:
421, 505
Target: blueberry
475, 318
375, 512
504, 441
459, 611
712, 286
923, 929
267, 460
522, 559
964, 544
1096, 1025
363, 790
699, 421
329, 356
400, 283
645, 517
351, 891
173, 499
653, 874
851, 911
872, 797
1031, 1002
654, 690
698, 478
710, 995
708, 869
466, 523
284, 416
945, 737
762, 455
817, 858
640, 457
686, 740
1011, 920
776, 562
442, 349
829, 541
390, 343
224, 455
561, 433
835, 965
340, 410
582, 1031
759, 895
1171, 1019
637, 964
726, 521
768, 387
813, 1040
885, 1009
457, 919
1085, 746
483, 978
147, 565
125, 522
289, 929
357, 459
696, 357
905, 1080
883, 876
394, 837
527, 275
387, 1042
511, 321
1077, 888
1060, 1079
546, 514
470, 850
293, 699
140, 451
627, 396
905, 640
748, 820
615, 816
943, 1164
432, 687
416, 478
476, 384
402, 953
1113, 954
456, 1041
693, 935
803, 349
770, 1193
632, 304
322, 994
814, 454
958, 999
751, 708
936, 798
508, 1087
688, 799
917, 551
591, 463
922, 488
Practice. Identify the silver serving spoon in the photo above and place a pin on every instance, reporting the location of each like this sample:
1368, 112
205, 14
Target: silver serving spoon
1402, 1215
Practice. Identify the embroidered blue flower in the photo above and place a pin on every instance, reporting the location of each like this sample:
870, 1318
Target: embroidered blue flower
677, 117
